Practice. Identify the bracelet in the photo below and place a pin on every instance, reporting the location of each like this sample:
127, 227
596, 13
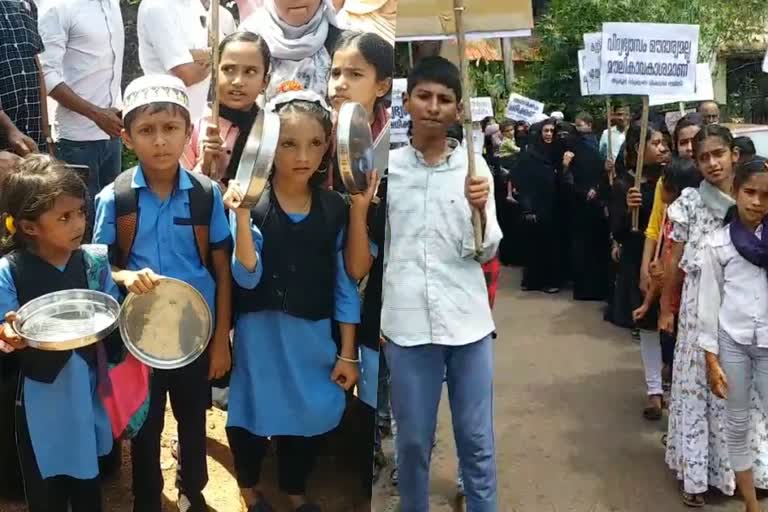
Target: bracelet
346, 359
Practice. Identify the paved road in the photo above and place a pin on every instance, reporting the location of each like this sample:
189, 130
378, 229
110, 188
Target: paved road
569, 430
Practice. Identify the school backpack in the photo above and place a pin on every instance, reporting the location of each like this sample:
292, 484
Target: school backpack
127, 214
127, 403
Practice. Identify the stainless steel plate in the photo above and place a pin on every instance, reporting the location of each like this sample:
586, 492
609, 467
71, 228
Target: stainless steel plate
67, 320
258, 155
354, 147
168, 327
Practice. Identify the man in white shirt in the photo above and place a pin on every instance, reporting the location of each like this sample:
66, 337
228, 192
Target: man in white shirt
436, 319
83, 66
618, 134
173, 39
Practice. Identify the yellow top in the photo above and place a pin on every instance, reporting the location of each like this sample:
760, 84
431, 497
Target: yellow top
653, 231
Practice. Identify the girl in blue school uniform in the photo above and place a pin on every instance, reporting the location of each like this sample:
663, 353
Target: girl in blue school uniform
62, 424
289, 377
361, 72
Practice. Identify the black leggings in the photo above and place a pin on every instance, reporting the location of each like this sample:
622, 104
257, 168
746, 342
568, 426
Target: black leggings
54, 494
295, 459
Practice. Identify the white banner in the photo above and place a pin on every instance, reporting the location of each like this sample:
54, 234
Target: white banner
481, 108
399, 117
705, 90
593, 42
649, 59
520, 108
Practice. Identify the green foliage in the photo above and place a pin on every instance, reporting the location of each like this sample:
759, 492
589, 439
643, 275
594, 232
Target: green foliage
554, 78
487, 79
129, 158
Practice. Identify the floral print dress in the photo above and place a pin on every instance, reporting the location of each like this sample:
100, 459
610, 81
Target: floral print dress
697, 449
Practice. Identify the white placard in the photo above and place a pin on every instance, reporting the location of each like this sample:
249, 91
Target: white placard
399, 119
593, 42
765, 63
520, 108
481, 108
705, 90
478, 138
652, 59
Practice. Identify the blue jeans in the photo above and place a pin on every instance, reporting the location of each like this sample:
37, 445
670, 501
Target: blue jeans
417, 375
103, 158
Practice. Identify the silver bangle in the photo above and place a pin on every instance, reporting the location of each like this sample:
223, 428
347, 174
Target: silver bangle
346, 359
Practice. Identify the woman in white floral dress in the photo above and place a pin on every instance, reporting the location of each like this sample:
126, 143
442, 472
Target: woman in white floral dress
696, 444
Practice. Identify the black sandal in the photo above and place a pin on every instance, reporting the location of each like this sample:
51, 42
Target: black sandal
654, 412
693, 500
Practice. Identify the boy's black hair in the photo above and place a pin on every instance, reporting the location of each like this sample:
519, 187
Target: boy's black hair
746, 147
586, 117
681, 173
437, 70
154, 108
249, 37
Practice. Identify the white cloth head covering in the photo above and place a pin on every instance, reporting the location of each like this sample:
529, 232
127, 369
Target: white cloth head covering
150, 89
296, 95
557, 115
298, 53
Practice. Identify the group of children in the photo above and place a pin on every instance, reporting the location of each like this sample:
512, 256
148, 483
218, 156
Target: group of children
701, 301
282, 277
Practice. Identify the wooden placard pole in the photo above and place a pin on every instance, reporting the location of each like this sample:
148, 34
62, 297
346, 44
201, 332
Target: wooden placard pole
681, 106
640, 161
609, 118
477, 224
213, 38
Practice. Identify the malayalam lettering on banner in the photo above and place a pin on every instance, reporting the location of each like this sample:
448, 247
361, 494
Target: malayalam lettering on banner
399, 120
520, 108
593, 43
481, 108
705, 90
655, 59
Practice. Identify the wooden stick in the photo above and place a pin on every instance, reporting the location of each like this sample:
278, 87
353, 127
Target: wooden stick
213, 37
640, 158
477, 223
681, 106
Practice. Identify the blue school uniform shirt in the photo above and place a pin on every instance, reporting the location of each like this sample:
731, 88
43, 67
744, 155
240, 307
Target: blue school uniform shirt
164, 239
82, 432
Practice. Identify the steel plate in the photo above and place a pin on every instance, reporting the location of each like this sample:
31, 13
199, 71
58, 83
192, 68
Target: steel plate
168, 327
67, 320
354, 147
255, 164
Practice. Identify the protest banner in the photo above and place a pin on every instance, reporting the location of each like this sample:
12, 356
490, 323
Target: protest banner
520, 108
649, 59
478, 138
705, 90
593, 42
481, 108
399, 119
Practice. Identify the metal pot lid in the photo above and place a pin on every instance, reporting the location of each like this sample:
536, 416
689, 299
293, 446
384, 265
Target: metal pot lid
67, 320
258, 155
167, 328
354, 147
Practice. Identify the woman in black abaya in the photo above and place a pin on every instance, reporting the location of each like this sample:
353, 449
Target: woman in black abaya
536, 180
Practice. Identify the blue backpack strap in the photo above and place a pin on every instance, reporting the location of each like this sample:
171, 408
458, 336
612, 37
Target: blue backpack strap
201, 209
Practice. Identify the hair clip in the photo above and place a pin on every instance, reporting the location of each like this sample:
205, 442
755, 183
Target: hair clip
10, 224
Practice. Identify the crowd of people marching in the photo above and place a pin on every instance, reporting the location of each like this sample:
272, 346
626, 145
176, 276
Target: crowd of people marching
689, 279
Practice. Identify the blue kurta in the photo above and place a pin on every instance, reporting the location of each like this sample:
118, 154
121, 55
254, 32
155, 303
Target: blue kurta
68, 425
281, 376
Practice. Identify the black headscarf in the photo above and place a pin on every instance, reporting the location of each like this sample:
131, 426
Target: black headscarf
244, 120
